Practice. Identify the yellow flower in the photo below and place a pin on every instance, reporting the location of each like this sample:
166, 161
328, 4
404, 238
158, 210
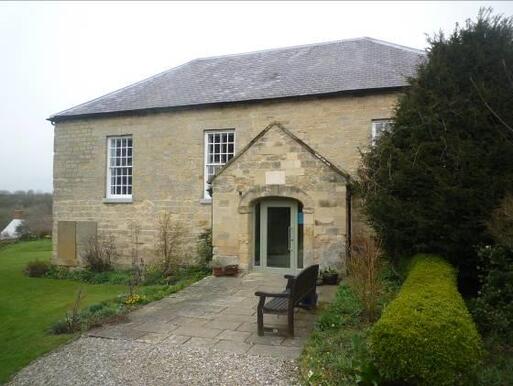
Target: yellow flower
133, 299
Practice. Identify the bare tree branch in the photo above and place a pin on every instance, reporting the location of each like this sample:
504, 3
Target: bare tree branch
489, 107
508, 75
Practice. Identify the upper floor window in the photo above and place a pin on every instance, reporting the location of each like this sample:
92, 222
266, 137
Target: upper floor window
119, 167
219, 149
378, 127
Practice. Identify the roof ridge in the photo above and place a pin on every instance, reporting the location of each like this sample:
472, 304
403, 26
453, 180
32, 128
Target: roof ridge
378, 41
280, 48
399, 46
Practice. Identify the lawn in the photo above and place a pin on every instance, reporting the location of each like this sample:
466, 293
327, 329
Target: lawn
28, 306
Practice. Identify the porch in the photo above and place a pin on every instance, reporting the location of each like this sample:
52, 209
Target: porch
280, 206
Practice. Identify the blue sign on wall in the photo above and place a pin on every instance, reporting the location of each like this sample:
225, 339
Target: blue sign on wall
300, 218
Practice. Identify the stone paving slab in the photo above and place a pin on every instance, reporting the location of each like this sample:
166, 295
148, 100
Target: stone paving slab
201, 342
225, 324
219, 314
189, 322
232, 346
237, 336
201, 332
283, 352
175, 340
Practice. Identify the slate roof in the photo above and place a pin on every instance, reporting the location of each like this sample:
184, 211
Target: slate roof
324, 68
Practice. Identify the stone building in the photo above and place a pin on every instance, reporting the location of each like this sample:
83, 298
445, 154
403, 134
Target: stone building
259, 147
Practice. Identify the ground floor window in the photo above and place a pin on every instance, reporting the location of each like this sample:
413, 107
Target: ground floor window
119, 167
219, 149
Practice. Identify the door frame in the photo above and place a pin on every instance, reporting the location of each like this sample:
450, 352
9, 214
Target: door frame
293, 237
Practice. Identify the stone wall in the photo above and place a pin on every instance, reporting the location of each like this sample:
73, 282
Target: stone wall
168, 159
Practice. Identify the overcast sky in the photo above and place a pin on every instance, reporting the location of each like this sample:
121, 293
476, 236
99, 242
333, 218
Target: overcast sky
57, 54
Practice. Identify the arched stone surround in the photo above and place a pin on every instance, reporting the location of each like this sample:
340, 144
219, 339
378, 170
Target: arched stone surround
282, 191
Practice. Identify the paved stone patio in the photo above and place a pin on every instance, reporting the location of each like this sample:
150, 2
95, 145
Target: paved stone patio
218, 314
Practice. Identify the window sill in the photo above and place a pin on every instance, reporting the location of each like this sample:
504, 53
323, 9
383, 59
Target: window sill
117, 200
206, 201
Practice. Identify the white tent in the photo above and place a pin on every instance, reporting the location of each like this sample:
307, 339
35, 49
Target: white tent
9, 231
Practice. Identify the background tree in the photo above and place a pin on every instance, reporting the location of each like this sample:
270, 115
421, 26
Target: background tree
431, 182
37, 209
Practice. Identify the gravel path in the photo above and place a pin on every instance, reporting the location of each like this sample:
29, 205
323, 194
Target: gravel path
205, 334
98, 361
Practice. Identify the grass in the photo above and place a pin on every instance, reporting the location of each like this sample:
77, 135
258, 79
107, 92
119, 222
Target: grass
498, 363
336, 353
28, 306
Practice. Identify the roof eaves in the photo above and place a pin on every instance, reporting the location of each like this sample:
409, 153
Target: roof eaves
63, 112
60, 118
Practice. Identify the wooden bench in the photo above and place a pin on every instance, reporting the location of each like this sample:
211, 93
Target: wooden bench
299, 292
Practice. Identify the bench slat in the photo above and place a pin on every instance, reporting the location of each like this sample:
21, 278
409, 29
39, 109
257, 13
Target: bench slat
277, 305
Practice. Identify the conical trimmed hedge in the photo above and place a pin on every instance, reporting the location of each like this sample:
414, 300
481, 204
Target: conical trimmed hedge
426, 335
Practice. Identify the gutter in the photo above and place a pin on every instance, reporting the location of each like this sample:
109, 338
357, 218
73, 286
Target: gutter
149, 110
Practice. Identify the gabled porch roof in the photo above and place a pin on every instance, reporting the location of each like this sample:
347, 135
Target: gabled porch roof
295, 138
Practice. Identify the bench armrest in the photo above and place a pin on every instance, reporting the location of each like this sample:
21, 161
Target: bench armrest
272, 294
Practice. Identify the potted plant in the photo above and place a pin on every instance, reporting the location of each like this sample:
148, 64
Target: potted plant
330, 276
217, 268
231, 270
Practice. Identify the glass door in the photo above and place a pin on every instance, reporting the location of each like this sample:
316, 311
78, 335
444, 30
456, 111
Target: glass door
278, 235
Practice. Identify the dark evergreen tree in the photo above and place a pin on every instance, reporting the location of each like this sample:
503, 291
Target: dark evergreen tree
432, 181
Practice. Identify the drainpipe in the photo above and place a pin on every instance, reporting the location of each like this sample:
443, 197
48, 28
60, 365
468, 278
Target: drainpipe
349, 221
210, 191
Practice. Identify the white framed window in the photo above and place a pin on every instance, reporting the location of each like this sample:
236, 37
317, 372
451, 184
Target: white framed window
378, 127
119, 166
219, 149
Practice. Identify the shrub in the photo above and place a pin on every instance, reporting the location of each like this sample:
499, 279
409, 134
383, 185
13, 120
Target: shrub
72, 320
36, 268
101, 313
493, 308
60, 327
431, 182
119, 277
500, 225
153, 274
88, 276
25, 233
169, 244
363, 268
204, 247
99, 253
93, 316
498, 364
426, 335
